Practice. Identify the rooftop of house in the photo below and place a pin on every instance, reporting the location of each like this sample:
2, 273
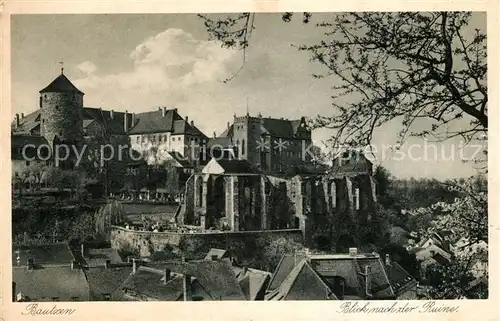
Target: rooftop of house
104, 282
60, 85
217, 253
275, 127
350, 267
399, 278
253, 282
149, 282
302, 283
229, 166
51, 283
42, 255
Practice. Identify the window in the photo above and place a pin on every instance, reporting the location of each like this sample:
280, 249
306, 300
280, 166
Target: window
56, 298
196, 140
107, 296
243, 147
57, 106
356, 198
27, 163
153, 138
138, 139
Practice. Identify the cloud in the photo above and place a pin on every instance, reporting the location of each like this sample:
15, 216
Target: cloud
86, 67
167, 69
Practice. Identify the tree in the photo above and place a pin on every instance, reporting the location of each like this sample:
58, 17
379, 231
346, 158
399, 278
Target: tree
465, 221
405, 65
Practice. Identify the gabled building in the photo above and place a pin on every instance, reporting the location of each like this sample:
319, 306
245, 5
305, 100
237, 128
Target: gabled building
270, 144
45, 273
353, 276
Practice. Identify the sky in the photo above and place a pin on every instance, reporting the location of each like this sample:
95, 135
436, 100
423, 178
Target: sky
140, 62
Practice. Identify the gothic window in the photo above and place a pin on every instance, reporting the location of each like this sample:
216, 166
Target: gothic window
243, 147
356, 198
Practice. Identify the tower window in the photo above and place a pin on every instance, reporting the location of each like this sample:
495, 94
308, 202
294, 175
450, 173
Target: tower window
57, 106
243, 147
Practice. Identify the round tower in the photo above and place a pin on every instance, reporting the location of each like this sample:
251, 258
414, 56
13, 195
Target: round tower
61, 105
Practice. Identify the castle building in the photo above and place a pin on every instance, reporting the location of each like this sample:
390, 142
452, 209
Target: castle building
270, 144
62, 119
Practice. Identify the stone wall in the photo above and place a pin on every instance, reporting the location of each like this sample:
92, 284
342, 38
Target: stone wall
196, 245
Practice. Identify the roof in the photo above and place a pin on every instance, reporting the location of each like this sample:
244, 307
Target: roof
44, 254
283, 128
253, 282
52, 283
181, 160
113, 121
221, 142
229, 166
155, 122
351, 269
285, 266
302, 283
183, 127
217, 252
398, 277
103, 282
61, 84
23, 140
216, 277
148, 281
98, 257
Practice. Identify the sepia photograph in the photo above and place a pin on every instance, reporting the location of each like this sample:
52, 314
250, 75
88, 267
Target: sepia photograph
249, 156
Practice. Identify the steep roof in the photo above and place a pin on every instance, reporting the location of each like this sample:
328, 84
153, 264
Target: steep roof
182, 127
155, 122
181, 160
285, 266
60, 85
229, 166
216, 277
253, 282
148, 281
400, 279
352, 269
302, 283
104, 282
51, 283
221, 142
44, 254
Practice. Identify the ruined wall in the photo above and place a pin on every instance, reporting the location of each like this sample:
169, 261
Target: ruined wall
194, 245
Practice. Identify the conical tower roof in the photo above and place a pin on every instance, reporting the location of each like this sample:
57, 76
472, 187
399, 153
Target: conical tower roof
61, 85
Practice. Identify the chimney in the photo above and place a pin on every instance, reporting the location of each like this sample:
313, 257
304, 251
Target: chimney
368, 280
192, 123
187, 119
133, 120
17, 120
244, 271
14, 291
186, 287
164, 111
134, 266
228, 125
125, 122
111, 114
22, 115
353, 251
166, 276
107, 264
30, 264
214, 257
215, 135
387, 260
175, 110
74, 265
